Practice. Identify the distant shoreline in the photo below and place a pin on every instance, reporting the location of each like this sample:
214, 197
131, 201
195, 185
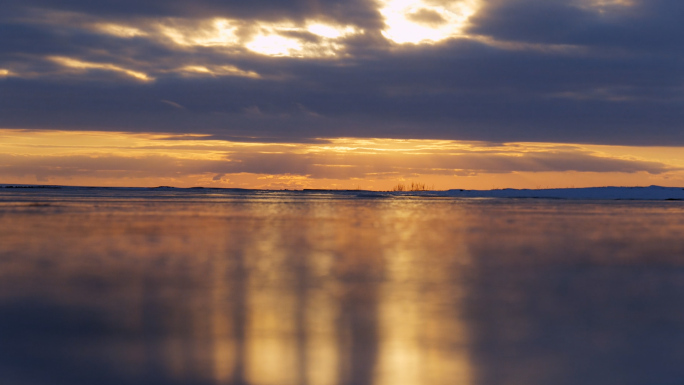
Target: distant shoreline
598, 193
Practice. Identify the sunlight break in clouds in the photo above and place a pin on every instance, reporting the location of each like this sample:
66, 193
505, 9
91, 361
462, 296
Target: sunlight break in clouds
328, 31
272, 40
118, 30
209, 33
421, 21
83, 65
265, 38
226, 70
275, 45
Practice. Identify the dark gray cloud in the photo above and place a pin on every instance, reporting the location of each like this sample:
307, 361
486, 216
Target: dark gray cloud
646, 25
354, 11
554, 71
264, 9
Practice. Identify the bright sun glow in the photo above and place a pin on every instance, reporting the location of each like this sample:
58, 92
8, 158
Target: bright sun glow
329, 31
4, 72
324, 30
422, 21
274, 45
78, 64
273, 42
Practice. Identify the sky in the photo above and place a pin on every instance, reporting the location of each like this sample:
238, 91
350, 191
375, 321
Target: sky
342, 94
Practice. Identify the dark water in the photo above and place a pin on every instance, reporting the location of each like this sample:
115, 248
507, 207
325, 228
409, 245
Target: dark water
208, 287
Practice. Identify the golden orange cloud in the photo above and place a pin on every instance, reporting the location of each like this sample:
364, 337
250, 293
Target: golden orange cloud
153, 159
84, 66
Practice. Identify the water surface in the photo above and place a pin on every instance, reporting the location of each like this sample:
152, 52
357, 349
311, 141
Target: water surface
105, 286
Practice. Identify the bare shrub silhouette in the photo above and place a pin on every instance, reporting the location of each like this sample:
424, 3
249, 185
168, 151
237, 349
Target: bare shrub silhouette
414, 186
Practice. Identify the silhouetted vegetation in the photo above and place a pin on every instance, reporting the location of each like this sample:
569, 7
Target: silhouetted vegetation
412, 187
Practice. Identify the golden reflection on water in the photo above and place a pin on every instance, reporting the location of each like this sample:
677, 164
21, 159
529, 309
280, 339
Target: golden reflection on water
284, 290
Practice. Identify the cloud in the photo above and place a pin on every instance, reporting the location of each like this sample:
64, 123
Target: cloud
427, 16
576, 71
173, 104
634, 27
357, 12
48, 156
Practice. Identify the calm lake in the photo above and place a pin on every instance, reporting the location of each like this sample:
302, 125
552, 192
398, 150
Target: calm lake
154, 286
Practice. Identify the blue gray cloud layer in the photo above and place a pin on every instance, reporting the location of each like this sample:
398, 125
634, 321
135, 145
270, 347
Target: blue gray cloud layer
525, 70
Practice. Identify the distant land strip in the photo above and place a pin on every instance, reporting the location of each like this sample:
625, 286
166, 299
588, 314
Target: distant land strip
588, 193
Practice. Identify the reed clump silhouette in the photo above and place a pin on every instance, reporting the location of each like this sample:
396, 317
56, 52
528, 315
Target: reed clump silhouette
414, 186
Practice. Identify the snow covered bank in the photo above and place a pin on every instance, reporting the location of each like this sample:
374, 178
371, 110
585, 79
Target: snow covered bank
641, 193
